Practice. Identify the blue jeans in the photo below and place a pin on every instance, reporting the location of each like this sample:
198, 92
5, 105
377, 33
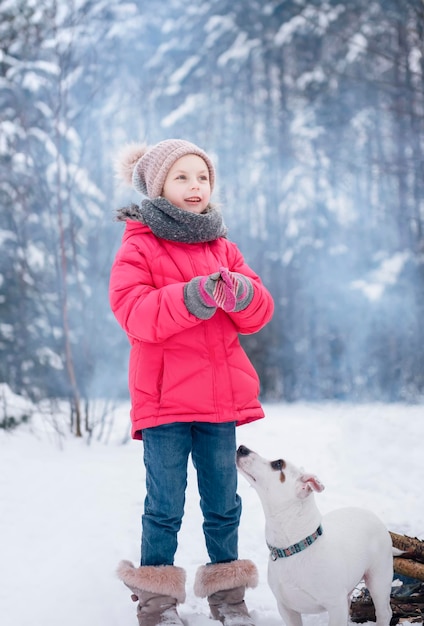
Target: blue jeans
166, 451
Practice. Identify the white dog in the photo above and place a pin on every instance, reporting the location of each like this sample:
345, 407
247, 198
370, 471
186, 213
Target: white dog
316, 561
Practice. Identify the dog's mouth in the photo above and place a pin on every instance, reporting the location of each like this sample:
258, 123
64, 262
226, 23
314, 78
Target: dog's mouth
246, 474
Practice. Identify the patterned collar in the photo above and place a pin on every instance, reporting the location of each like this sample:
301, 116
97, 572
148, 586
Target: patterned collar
281, 553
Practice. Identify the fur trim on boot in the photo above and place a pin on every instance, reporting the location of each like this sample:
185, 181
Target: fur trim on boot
221, 576
224, 585
166, 580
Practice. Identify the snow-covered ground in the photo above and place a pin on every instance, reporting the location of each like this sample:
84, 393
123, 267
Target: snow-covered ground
70, 513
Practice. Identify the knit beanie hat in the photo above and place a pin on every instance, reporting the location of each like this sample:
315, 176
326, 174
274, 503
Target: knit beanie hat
146, 167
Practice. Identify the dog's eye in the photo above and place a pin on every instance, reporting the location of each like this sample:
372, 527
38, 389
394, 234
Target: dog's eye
278, 465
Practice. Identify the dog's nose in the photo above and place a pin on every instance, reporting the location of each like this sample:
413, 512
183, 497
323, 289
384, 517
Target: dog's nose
243, 451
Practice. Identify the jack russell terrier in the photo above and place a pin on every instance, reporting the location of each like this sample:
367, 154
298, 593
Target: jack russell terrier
316, 561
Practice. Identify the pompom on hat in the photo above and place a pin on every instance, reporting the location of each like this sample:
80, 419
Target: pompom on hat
146, 167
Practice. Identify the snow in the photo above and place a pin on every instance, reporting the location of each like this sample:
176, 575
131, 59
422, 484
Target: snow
70, 511
317, 19
239, 50
216, 26
190, 105
415, 60
357, 46
175, 81
386, 274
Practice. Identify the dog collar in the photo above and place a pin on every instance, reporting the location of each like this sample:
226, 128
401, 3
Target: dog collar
281, 553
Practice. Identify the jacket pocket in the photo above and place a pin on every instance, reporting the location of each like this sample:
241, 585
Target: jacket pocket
148, 369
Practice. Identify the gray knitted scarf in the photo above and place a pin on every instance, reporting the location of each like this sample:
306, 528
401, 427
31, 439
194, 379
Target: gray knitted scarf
173, 224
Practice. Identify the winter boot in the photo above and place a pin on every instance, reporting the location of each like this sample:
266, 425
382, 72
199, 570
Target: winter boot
224, 585
158, 590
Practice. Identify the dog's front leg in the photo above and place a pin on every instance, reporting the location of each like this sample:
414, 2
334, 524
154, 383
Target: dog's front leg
339, 615
291, 618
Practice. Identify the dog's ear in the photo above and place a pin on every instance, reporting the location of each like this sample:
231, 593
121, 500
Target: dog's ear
308, 483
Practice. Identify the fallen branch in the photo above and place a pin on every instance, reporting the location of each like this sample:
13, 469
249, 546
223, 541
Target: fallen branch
407, 567
413, 547
411, 562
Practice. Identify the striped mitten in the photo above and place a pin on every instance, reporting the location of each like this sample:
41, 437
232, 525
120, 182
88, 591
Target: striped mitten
227, 290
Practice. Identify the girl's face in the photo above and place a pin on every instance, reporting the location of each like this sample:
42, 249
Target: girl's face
187, 184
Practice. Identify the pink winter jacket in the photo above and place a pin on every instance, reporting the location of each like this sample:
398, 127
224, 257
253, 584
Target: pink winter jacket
183, 369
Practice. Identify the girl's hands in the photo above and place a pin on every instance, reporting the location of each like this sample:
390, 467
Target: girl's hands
229, 291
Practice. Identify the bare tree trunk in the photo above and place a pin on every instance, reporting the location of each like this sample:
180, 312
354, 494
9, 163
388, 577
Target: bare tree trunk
399, 136
69, 361
65, 321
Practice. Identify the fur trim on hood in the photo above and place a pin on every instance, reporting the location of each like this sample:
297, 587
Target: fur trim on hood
130, 212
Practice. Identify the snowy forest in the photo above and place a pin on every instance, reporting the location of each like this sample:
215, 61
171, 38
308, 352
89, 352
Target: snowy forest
313, 112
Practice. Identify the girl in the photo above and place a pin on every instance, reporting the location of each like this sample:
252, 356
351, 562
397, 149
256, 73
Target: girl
182, 292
